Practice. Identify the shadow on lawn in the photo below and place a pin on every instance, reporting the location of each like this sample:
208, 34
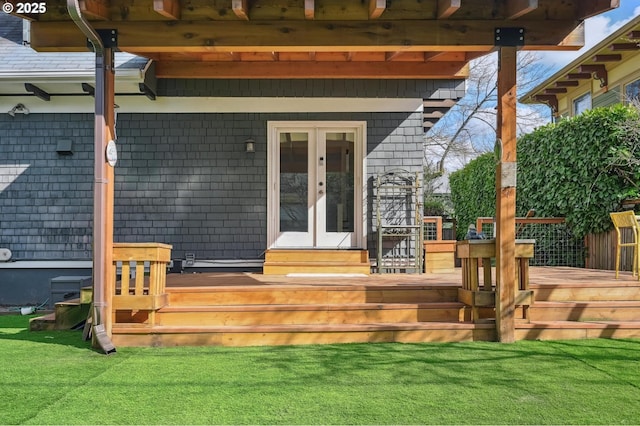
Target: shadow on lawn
465, 364
16, 327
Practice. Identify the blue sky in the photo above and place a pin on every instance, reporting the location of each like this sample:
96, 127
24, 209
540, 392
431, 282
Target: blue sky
596, 29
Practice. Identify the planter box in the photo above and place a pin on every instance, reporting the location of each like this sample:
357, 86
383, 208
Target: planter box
439, 256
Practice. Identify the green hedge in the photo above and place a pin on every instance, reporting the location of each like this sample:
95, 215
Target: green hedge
473, 191
580, 168
572, 169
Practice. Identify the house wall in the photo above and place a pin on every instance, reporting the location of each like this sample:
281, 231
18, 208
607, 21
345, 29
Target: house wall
182, 178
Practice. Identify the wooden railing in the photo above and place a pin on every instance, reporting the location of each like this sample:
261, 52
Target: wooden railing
138, 292
480, 253
521, 221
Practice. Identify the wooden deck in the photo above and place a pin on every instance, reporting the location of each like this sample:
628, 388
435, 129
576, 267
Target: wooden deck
242, 309
539, 276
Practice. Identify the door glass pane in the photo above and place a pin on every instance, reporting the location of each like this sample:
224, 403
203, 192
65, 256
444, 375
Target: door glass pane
294, 178
340, 213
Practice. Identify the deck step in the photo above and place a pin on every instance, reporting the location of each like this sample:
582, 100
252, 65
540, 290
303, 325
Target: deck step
135, 335
309, 294
284, 262
585, 311
43, 323
254, 309
66, 316
587, 291
355, 313
320, 255
570, 330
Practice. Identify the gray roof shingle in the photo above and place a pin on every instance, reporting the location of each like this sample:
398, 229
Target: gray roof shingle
16, 57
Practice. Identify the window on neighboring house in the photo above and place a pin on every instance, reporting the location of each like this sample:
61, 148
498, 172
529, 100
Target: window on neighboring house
632, 91
582, 104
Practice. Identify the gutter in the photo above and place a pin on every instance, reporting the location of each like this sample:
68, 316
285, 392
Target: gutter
100, 237
132, 74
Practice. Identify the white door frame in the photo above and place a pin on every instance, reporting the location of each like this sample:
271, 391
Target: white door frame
314, 128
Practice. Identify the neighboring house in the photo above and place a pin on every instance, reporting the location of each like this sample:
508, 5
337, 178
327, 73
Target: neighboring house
607, 74
194, 154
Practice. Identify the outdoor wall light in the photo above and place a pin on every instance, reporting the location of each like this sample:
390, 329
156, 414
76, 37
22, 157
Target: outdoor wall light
250, 145
18, 109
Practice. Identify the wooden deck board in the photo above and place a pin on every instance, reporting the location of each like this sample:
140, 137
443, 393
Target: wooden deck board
539, 276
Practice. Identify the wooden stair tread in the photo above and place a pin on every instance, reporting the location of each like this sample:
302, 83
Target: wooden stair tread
587, 304
298, 328
45, 318
70, 302
307, 287
311, 307
580, 324
584, 284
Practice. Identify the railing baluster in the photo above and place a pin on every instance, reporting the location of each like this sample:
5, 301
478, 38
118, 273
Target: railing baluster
139, 278
125, 274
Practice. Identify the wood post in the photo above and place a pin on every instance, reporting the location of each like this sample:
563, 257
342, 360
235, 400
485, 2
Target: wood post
103, 187
506, 195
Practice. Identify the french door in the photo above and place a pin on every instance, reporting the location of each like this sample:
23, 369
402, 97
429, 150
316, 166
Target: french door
315, 185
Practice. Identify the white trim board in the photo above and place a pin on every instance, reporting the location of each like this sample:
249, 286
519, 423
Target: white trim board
47, 264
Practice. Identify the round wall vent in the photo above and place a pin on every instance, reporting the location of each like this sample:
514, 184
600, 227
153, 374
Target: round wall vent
5, 254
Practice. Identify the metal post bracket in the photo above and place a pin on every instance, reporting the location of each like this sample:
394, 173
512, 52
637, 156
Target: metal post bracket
109, 38
509, 36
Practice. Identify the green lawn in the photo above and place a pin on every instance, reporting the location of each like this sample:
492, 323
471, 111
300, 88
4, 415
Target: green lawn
55, 378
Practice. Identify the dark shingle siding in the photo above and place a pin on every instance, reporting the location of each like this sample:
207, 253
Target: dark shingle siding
182, 179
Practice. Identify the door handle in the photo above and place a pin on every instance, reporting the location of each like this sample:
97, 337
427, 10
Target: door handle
320, 191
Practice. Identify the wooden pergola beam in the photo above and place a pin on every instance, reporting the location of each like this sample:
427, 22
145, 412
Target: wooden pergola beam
167, 8
241, 9
518, 8
95, 9
446, 8
376, 8
371, 35
390, 56
596, 7
307, 69
309, 9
